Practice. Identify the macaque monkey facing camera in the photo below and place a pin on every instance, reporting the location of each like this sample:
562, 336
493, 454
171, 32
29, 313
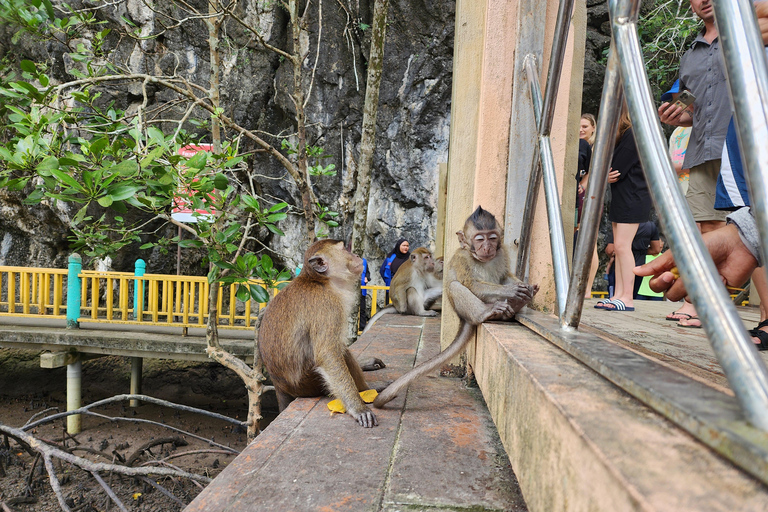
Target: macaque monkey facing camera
302, 336
480, 287
414, 287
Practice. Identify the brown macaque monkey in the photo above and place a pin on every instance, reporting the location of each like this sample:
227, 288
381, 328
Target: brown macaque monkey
413, 285
480, 286
435, 302
302, 336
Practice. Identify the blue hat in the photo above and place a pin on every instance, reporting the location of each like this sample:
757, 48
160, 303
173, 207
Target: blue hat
667, 96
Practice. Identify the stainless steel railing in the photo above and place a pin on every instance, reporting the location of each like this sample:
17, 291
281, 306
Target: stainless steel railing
747, 73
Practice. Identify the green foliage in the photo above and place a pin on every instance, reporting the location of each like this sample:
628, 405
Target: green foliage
69, 144
666, 32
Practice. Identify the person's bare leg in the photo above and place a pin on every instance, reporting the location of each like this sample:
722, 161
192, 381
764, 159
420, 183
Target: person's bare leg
592, 271
623, 234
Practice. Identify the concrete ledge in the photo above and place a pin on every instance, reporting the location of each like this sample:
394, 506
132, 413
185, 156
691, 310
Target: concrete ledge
121, 342
578, 443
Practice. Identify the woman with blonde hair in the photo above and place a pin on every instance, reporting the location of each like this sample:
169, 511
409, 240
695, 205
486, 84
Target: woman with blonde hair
586, 141
630, 206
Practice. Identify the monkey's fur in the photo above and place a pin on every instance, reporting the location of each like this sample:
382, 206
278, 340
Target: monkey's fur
480, 287
302, 338
414, 287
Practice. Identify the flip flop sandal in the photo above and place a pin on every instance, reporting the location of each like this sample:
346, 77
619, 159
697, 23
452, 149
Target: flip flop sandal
763, 337
602, 303
692, 326
618, 305
672, 316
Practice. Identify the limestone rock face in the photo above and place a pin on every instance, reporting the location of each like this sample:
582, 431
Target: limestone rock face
412, 126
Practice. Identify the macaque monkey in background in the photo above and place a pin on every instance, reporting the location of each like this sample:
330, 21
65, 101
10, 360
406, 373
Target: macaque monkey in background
413, 288
302, 336
480, 286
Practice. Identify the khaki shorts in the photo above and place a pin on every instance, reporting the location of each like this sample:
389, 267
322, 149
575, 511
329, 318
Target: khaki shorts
701, 192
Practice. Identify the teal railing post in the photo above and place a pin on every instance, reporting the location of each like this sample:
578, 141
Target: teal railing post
74, 267
138, 289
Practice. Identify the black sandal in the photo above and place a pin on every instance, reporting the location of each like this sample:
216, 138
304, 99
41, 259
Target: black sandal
753, 332
763, 337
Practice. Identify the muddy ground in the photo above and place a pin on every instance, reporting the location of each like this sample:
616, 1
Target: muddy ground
27, 389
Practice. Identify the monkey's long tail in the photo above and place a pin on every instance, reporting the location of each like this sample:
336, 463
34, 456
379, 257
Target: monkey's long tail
462, 337
382, 312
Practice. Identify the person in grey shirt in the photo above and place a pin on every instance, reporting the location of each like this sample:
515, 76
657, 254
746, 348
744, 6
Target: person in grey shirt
702, 73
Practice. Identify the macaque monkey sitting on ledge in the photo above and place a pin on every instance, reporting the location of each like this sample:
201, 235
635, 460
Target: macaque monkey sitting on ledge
302, 338
414, 287
480, 287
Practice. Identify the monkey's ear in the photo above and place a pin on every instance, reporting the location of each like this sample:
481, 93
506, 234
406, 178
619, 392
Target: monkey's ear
462, 240
318, 264
413, 257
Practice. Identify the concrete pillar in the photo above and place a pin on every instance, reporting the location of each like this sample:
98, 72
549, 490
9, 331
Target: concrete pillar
74, 267
74, 390
487, 33
136, 365
138, 289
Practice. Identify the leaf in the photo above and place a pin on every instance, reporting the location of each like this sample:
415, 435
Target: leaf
67, 180
124, 168
278, 206
28, 66
251, 202
266, 262
220, 182
259, 293
187, 244
105, 201
242, 293
198, 161
147, 246
122, 191
48, 164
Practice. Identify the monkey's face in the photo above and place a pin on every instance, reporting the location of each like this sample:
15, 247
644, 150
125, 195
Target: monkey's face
485, 244
423, 260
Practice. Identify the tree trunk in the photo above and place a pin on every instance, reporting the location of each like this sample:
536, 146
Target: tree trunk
305, 183
214, 23
368, 138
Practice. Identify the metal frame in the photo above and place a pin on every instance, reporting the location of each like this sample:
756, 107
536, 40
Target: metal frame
747, 71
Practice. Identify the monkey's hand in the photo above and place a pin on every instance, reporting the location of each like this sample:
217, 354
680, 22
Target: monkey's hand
428, 313
522, 296
366, 418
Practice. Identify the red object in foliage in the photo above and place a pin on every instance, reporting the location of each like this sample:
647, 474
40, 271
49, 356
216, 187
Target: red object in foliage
182, 210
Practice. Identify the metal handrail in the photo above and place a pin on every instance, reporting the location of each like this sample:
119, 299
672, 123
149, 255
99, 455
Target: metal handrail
607, 124
735, 352
747, 72
543, 163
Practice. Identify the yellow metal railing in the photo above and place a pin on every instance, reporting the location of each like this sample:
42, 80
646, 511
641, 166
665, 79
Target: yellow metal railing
111, 297
32, 292
164, 300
